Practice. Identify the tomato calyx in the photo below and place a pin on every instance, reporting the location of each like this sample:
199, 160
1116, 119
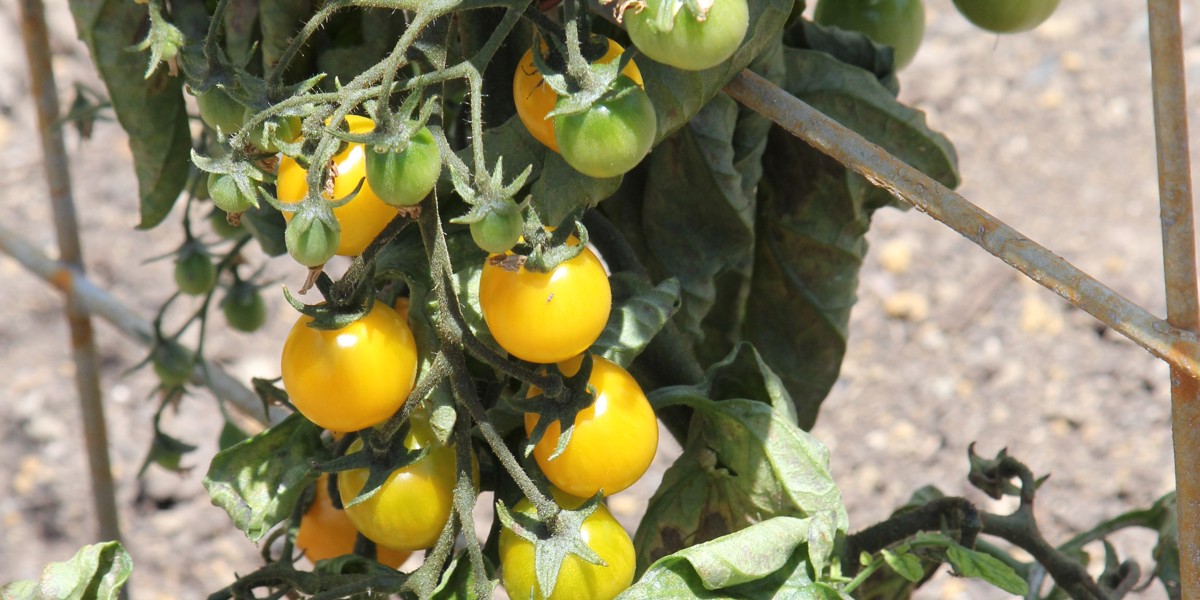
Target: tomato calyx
541, 249
491, 200
583, 83
379, 462
554, 537
575, 395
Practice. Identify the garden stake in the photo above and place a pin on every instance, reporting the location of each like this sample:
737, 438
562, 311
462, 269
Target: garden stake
83, 346
1179, 265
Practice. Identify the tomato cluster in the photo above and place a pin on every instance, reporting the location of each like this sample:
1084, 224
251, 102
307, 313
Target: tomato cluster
326, 531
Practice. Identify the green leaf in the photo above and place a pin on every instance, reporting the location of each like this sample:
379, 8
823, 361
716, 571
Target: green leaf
561, 190
279, 20
231, 435
970, 563
851, 47
267, 226
96, 572
258, 481
813, 216
855, 98
745, 460
639, 313
765, 560
907, 565
166, 451
151, 110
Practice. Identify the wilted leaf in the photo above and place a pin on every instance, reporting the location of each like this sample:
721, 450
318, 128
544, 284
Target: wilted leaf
970, 563
96, 572
639, 313
744, 461
151, 110
258, 481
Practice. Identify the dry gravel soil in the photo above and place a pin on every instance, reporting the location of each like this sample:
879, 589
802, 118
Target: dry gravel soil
948, 346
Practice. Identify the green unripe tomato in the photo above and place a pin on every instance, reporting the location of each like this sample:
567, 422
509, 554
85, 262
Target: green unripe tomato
896, 23
267, 135
195, 272
226, 194
1006, 16
612, 136
220, 111
219, 220
500, 229
405, 177
691, 45
244, 307
172, 363
310, 240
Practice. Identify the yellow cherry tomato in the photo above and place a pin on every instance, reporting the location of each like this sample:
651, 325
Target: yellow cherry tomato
614, 439
577, 578
546, 317
410, 509
534, 98
354, 377
362, 218
326, 532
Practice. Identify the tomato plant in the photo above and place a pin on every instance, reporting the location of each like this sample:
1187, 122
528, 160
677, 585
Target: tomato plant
577, 578
410, 509
731, 254
1010, 16
326, 532
350, 378
691, 42
613, 441
403, 177
546, 317
535, 99
363, 217
896, 23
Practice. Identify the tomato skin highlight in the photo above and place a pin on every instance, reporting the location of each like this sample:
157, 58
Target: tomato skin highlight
534, 99
691, 45
612, 136
546, 317
410, 509
404, 178
1009, 16
351, 378
362, 218
326, 532
577, 578
614, 439
896, 23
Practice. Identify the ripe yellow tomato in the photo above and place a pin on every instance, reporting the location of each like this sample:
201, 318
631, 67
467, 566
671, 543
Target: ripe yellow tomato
577, 578
354, 377
614, 439
362, 218
546, 317
534, 98
326, 532
410, 509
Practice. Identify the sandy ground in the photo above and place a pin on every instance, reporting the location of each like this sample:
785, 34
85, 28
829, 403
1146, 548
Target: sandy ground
948, 346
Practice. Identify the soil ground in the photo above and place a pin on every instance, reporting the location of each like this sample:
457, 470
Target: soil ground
948, 346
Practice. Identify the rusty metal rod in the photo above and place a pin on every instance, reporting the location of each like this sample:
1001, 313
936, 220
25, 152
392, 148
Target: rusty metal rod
83, 346
1176, 346
1179, 266
97, 302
